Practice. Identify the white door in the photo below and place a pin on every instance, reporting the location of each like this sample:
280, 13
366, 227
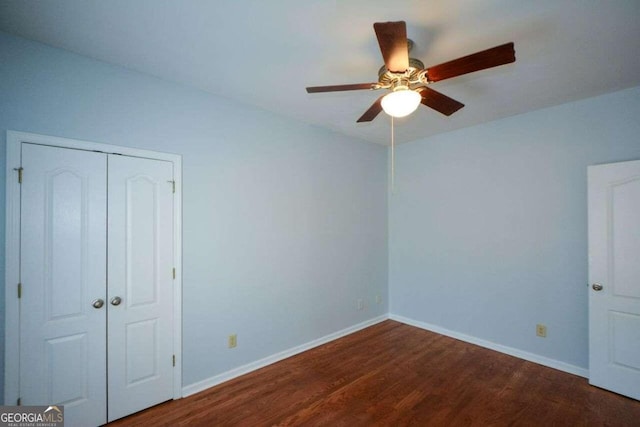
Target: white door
96, 310
62, 271
614, 276
140, 269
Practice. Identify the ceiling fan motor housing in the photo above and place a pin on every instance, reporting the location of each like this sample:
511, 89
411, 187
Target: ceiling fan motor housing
412, 76
408, 78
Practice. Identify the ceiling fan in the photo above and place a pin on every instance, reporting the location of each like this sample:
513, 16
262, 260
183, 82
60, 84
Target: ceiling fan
409, 80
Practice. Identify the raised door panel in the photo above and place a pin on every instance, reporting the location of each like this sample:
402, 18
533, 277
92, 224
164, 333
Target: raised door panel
624, 207
140, 265
63, 260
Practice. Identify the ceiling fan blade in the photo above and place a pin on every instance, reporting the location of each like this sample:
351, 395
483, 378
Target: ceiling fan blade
372, 112
499, 55
392, 38
338, 88
439, 102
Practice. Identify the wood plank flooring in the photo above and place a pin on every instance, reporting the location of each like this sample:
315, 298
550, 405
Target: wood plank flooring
393, 374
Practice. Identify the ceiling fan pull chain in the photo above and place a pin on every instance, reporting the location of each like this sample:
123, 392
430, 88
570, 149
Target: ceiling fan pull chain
393, 159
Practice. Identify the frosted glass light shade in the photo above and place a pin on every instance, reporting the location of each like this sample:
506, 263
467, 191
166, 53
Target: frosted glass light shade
401, 102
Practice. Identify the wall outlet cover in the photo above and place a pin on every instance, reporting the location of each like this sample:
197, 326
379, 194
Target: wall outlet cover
541, 330
233, 341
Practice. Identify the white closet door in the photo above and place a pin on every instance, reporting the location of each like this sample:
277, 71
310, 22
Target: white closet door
140, 291
63, 347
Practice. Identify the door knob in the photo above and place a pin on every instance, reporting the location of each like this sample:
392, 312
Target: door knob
116, 301
98, 303
597, 287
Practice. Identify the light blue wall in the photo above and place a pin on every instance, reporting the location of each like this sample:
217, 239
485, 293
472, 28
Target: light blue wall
285, 224
488, 225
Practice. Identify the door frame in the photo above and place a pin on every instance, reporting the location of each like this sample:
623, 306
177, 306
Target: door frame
12, 249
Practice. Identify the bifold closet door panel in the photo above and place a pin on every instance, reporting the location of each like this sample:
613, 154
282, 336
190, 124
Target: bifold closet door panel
63, 277
140, 290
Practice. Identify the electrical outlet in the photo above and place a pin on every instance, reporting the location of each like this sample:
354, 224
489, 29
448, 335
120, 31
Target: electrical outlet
541, 330
378, 299
232, 341
360, 304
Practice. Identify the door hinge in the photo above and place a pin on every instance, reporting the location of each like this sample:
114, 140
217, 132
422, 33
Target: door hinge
173, 185
20, 169
19, 290
174, 360
174, 273
19, 402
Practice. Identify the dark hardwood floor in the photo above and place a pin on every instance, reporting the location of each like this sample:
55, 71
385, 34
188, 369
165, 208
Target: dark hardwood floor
392, 374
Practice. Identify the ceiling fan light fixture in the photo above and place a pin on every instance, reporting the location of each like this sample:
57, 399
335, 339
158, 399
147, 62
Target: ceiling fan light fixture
401, 102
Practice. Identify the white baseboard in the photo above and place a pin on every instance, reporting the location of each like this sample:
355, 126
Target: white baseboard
531, 357
245, 369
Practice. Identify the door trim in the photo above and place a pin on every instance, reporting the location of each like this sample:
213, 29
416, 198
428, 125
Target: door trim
12, 247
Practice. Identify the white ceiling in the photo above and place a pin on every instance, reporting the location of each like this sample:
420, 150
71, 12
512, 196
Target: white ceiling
265, 53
